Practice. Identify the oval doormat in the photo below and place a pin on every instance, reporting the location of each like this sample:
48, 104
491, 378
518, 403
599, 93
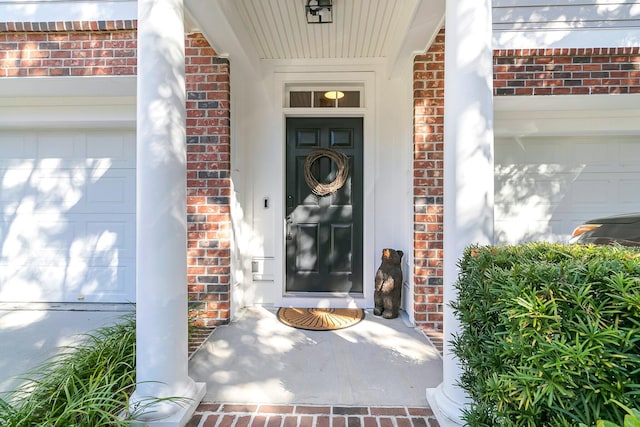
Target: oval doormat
320, 319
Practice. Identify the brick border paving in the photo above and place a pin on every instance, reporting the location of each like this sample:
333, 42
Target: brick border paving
234, 415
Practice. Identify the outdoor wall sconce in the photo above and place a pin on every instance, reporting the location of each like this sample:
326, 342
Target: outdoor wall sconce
319, 11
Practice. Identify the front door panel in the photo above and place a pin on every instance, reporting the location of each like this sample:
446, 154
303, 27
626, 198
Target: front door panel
324, 232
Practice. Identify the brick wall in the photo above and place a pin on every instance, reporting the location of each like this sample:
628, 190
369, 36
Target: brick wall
566, 71
428, 184
516, 72
110, 48
208, 182
66, 49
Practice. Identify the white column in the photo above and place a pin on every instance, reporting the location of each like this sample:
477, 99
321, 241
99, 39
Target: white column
161, 229
468, 170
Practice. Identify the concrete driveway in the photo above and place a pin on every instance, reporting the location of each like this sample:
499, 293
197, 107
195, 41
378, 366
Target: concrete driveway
31, 335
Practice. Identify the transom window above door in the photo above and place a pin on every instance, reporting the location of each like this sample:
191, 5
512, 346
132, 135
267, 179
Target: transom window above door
327, 97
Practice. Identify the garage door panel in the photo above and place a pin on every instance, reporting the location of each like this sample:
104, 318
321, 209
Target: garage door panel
510, 153
59, 145
516, 231
69, 146
542, 196
109, 196
544, 152
590, 191
59, 233
28, 238
591, 154
629, 153
67, 206
533, 185
119, 151
70, 283
114, 231
49, 190
114, 192
629, 191
15, 147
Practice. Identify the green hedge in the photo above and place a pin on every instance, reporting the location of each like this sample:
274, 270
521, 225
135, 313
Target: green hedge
550, 334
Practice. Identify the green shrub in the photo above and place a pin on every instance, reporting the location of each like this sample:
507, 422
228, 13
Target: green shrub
631, 419
89, 385
550, 334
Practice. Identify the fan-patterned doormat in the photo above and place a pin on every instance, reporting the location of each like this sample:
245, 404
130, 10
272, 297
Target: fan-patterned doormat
320, 319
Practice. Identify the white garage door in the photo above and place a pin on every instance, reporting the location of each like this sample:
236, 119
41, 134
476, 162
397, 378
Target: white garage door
67, 231
546, 186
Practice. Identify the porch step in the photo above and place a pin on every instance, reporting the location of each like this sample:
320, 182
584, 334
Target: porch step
234, 415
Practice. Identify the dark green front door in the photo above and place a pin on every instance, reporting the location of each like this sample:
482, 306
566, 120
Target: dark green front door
323, 232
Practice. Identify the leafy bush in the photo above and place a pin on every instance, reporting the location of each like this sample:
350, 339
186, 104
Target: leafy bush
89, 385
631, 419
550, 334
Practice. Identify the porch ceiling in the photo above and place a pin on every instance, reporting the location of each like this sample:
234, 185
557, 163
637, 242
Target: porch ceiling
277, 29
361, 28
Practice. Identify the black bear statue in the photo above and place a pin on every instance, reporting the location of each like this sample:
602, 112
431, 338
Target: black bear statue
388, 290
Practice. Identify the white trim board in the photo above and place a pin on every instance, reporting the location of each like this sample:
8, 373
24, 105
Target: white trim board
61, 102
567, 115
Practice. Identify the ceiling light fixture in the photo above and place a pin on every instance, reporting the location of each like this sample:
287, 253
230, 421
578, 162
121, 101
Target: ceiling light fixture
334, 94
319, 11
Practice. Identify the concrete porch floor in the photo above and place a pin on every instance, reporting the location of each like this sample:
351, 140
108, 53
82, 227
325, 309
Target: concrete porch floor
261, 373
259, 360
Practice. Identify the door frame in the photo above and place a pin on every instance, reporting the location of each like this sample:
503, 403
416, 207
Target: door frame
367, 112
294, 183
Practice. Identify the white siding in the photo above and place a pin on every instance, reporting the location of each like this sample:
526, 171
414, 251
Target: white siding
521, 24
56, 10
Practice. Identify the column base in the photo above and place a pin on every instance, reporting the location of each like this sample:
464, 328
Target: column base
184, 413
447, 411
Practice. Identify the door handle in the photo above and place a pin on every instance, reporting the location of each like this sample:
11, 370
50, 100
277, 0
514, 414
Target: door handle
290, 201
289, 222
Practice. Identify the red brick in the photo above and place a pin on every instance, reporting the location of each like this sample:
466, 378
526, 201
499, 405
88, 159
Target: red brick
339, 421
423, 412
276, 409
227, 421
290, 421
302, 409
211, 420
389, 411
325, 421
259, 421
